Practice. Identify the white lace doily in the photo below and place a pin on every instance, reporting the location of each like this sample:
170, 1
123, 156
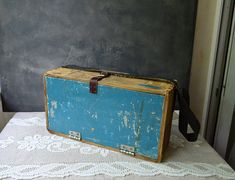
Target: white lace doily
115, 169
28, 151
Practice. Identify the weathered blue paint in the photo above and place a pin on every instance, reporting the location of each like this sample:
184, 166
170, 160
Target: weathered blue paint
111, 117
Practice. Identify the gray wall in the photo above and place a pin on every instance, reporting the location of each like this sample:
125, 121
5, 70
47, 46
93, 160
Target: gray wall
142, 37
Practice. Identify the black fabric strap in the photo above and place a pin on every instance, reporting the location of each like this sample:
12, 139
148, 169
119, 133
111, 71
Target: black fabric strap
186, 117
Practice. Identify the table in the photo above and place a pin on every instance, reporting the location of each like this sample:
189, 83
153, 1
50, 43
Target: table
28, 150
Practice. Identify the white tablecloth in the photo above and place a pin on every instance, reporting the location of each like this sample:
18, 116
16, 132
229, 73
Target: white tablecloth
28, 150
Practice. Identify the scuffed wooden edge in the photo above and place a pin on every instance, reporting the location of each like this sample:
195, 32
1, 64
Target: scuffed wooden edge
166, 123
45, 100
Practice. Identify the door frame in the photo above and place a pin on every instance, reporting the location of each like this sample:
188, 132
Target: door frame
218, 75
227, 99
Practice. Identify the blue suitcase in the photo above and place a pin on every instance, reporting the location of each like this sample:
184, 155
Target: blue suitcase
118, 112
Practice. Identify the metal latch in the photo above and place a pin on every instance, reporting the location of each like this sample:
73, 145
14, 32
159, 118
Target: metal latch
75, 135
127, 149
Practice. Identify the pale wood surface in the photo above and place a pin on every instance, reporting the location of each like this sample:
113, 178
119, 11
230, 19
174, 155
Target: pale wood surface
158, 87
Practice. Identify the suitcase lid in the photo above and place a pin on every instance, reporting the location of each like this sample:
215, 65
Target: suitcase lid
158, 86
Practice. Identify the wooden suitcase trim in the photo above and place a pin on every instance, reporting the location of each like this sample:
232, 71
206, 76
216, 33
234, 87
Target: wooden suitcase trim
154, 86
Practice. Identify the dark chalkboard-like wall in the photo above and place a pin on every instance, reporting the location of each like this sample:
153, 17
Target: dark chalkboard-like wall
142, 37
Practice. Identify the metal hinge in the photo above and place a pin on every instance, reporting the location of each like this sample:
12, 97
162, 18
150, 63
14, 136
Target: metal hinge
75, 135
127, 149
